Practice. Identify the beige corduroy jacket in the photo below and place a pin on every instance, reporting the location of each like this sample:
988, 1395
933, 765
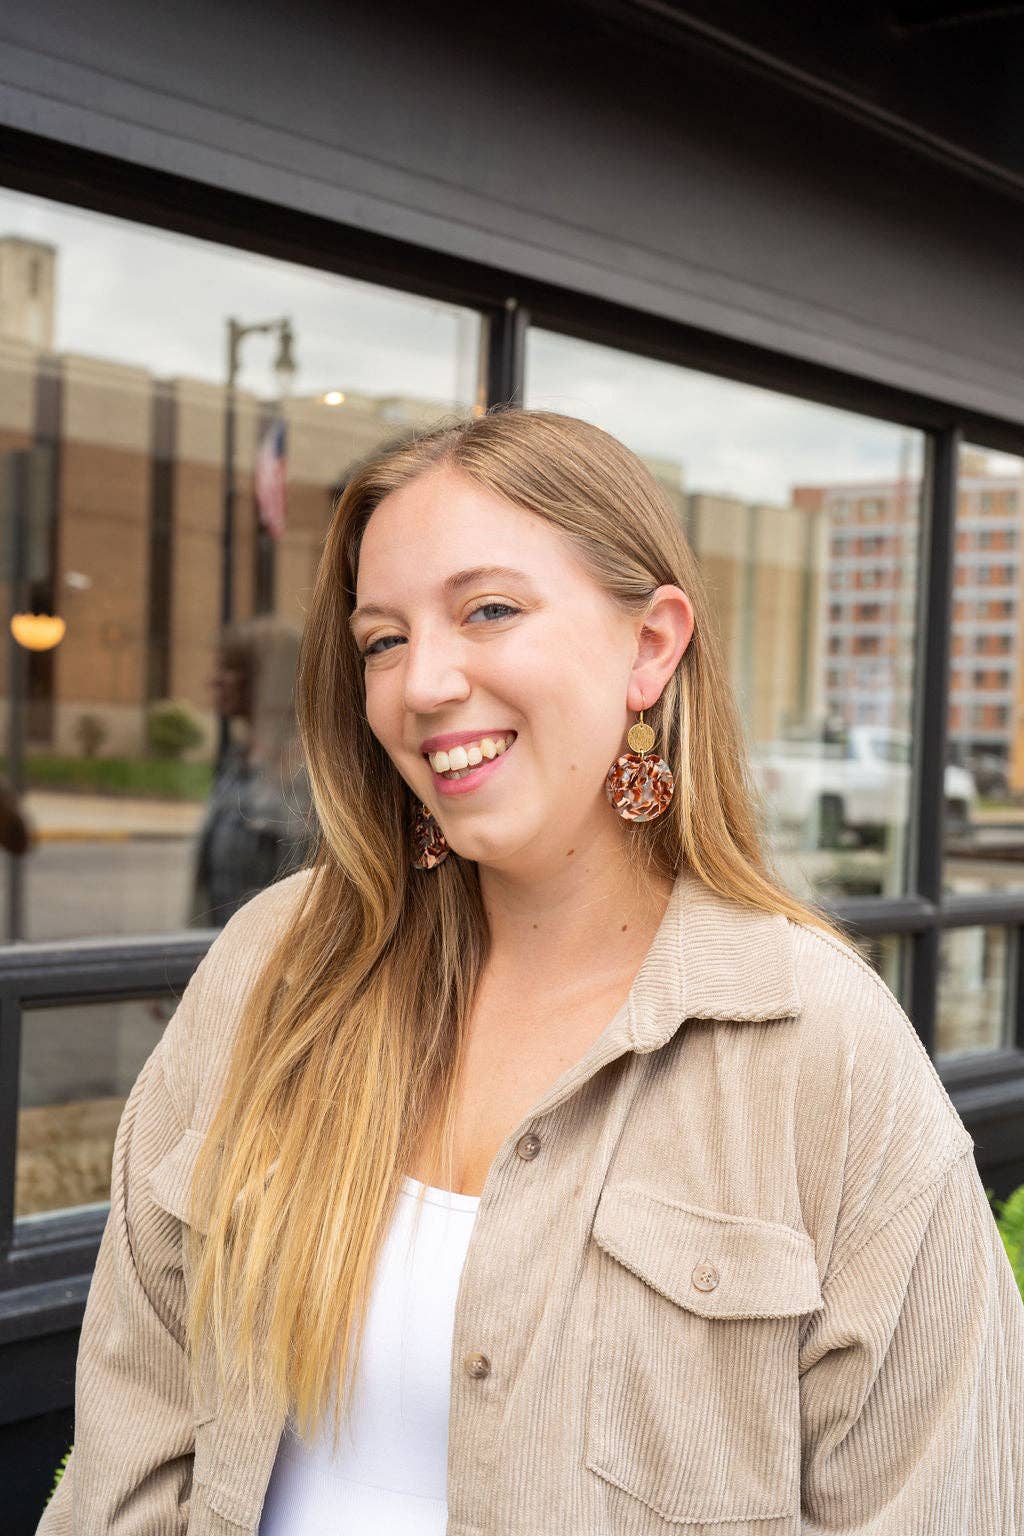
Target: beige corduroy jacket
735, 1272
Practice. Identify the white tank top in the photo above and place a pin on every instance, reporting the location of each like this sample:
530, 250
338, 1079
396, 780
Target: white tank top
390, 1473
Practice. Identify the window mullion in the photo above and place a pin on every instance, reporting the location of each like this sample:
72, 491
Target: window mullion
931, 708
506, 353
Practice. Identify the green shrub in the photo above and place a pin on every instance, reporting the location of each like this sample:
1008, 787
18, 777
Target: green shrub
60, 1472
1009, 1214
172, 728
91, 733
159, 777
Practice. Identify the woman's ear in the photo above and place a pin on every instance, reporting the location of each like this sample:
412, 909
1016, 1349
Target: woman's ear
665, 632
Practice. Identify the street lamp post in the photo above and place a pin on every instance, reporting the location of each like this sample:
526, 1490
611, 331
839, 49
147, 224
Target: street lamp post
284, 368
17, 661
29, 631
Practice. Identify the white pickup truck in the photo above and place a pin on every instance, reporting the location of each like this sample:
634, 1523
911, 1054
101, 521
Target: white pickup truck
860, 785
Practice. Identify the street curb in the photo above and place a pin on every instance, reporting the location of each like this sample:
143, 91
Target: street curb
104, 835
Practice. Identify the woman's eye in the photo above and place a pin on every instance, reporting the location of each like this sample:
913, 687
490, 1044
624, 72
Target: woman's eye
506, 610
371, 650
505, 607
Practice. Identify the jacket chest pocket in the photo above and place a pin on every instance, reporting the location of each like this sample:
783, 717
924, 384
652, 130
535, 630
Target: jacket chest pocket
693, 1402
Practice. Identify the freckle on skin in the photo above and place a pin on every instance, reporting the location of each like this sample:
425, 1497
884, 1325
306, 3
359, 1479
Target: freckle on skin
624, 927
571, 850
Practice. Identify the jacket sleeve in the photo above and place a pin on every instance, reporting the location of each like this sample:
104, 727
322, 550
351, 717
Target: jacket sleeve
131, 1468
912, 1375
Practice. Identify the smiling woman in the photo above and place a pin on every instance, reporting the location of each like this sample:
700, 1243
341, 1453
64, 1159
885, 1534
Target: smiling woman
703, 1231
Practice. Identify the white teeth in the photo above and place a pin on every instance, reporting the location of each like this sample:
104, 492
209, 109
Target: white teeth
469, 755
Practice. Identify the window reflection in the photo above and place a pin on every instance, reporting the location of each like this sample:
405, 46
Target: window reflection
973, 990
78, 1065
986, 684
140, 810
806, 521
258, 823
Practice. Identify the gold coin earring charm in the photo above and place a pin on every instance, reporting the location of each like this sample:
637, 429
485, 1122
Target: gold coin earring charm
429, 844
639, 786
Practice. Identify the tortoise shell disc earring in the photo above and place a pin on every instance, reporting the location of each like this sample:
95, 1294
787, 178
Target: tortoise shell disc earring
429, 844
640, 787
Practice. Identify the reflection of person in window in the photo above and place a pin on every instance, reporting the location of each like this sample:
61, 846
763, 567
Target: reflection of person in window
15, 836
256, 826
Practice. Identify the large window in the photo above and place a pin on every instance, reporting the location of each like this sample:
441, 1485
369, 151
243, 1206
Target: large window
175, 419
116, 427
806, 521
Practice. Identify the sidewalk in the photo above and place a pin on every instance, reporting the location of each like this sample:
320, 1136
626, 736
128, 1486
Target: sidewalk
62, 818
1000, 816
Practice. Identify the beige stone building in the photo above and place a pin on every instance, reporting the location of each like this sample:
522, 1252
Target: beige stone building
763, 566
121, 502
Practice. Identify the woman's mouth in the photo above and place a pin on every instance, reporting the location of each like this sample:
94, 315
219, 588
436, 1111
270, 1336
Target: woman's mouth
462, 768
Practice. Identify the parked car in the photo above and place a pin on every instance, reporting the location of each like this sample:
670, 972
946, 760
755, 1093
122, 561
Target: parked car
988, 769
860, 784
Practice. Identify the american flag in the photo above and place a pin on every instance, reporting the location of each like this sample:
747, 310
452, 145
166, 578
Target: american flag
271, 479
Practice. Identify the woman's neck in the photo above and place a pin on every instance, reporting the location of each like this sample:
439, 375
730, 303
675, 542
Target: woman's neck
581, 926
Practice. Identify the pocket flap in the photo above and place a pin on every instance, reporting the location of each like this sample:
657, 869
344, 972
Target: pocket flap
170, 1181
712, 1263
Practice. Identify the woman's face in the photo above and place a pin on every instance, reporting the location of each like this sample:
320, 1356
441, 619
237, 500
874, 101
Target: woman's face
537, 649
229, 686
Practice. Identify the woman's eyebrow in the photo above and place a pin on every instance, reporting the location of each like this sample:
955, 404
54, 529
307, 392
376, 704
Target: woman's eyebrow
450, 585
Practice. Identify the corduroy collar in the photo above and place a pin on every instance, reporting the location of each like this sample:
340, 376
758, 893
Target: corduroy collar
710, 959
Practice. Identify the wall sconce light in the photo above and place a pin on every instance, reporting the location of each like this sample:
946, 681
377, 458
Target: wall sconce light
37, 631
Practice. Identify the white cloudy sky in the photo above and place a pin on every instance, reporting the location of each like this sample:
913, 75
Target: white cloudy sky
159, 300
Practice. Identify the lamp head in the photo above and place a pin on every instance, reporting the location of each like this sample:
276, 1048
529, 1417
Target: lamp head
285, 367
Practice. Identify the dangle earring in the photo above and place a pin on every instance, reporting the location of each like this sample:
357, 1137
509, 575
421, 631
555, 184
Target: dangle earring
639, 787
430, 847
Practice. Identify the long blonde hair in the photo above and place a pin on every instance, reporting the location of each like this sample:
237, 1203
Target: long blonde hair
350, 1038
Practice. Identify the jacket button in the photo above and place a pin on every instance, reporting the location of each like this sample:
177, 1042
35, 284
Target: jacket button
477, 1365
528, 1146
705, 1277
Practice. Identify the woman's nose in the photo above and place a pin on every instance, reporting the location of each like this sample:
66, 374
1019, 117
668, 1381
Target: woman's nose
434, 676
